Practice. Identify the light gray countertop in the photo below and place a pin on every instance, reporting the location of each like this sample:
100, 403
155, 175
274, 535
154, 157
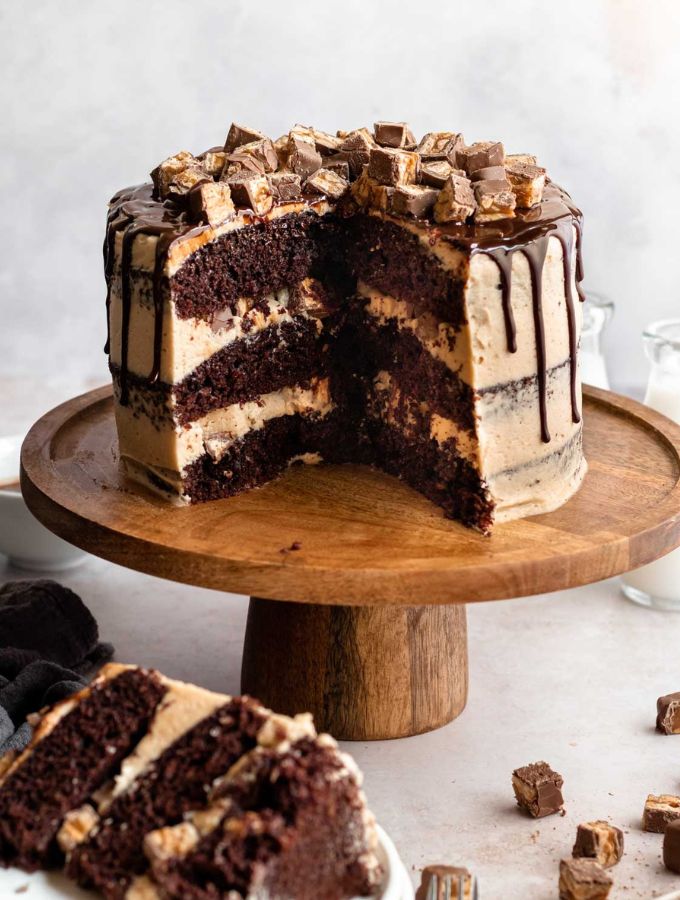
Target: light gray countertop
571, 678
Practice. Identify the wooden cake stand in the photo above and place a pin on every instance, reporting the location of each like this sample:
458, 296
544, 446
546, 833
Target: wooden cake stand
357, 554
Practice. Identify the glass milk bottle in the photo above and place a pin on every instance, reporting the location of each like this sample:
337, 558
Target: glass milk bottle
658, 584
597, 311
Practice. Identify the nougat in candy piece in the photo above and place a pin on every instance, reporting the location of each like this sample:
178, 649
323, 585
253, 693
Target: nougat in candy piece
538, 789
583, 879
327, 182
441, 145
393, 167
251, 191
599, 841
456, 200
434, 172
668, 714
527, 183
495, 200
186, 180
659, 812
169, 169
210, 202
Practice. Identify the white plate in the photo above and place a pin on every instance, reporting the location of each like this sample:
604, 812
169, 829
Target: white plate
54, 886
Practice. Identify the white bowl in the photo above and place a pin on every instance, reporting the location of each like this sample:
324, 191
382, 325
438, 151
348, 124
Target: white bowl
27, 543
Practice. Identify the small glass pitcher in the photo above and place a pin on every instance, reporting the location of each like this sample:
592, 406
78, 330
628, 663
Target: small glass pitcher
597, 311
658, 584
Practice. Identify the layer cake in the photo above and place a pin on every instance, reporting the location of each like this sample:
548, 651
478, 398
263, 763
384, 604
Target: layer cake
143, 787
357, 297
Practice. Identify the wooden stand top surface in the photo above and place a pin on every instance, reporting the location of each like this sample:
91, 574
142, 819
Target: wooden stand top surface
362, 537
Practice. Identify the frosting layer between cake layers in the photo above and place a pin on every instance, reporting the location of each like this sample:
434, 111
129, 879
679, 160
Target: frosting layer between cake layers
446, 354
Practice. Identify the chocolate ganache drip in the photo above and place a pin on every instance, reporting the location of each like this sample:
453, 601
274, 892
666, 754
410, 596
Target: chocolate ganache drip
134, 212
529, 233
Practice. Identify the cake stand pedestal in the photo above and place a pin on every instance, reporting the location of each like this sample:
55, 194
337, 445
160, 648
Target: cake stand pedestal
357, 583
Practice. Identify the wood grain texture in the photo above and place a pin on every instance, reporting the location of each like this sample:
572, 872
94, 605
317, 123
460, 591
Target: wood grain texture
365, 538
365, 672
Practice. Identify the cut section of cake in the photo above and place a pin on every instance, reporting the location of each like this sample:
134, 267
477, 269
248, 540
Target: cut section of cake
77, 747
340, 298
136, 755
287, 821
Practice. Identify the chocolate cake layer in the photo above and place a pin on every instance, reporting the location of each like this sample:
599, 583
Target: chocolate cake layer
436, 470
394, 261
248, 262
62, 770
420, 375
173, 785
281, 355
284, 810
263, 454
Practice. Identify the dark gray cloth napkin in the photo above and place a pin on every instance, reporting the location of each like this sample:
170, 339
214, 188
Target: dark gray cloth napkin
49, 643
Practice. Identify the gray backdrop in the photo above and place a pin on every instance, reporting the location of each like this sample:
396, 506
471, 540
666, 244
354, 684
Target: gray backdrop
96, 93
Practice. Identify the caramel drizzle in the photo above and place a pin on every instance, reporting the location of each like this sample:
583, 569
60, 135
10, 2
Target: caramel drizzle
134, 212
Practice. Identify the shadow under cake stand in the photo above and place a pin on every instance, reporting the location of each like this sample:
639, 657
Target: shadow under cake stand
371, 636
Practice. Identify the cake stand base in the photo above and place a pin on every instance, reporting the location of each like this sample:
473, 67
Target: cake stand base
365, 672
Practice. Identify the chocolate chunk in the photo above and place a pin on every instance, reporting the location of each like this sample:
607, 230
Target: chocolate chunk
599, 841
413, 200
659, 812
338, 163
495, 200
527, 182
369, 192
210, 202
538, 789
583, 879
435, 172
326, 182
251, 191
325, 143
213, 161
239, 134
479, 156
357, 145
671, 847
441, 145
489, 173
393, 167
460, 879
303, 157
393, 134
668, 714
258, 156
456, 200
164, 172
285, 185
311, 296
185, 180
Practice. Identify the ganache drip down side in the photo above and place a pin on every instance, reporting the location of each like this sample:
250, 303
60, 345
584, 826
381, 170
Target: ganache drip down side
134, 211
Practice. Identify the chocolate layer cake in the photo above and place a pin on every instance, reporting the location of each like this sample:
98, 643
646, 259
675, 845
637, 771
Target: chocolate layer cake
286, 821
351, 297
135, 754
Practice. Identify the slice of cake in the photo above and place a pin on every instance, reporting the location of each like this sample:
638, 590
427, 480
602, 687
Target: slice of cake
287, 821
135, 754
77, 747
408, 305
